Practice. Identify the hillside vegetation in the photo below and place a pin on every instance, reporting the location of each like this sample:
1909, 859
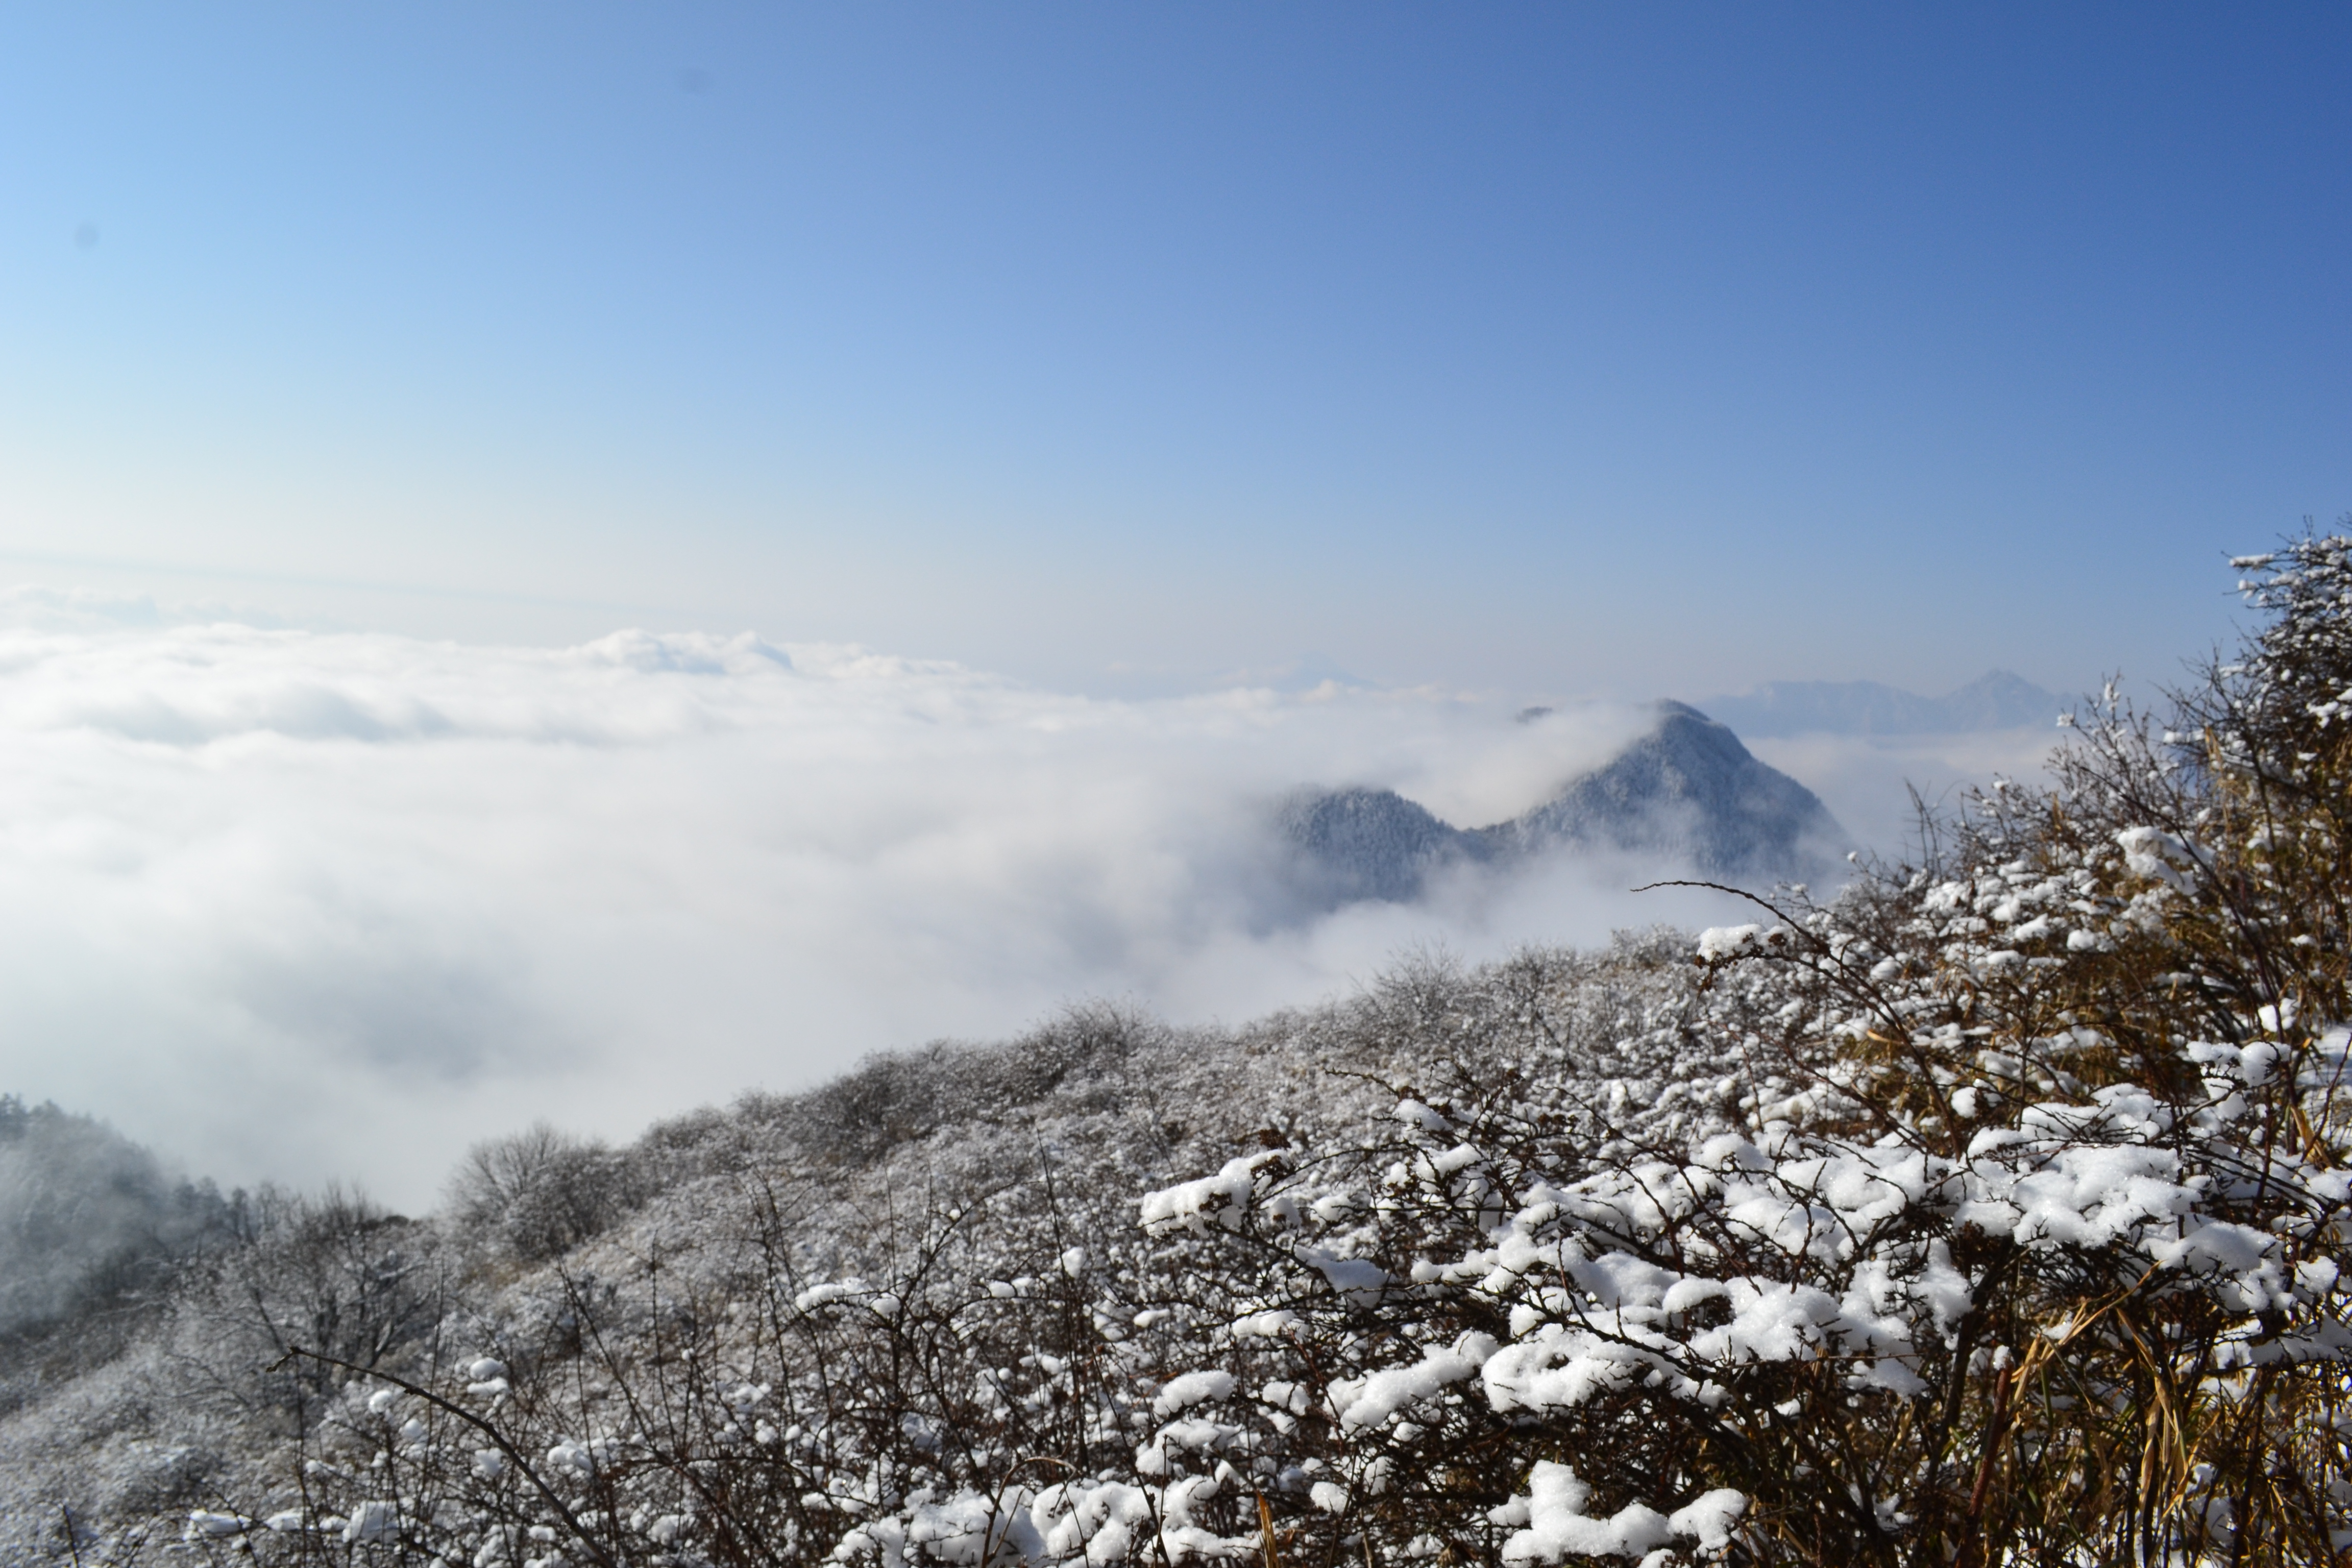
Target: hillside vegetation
1994, 1212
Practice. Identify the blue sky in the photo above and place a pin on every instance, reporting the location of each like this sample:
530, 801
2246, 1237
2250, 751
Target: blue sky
1555, 349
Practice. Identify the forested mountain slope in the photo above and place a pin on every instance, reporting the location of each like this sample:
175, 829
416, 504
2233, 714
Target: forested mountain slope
91, 1228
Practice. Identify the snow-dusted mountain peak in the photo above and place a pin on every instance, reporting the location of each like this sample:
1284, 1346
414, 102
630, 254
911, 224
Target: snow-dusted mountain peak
1685, 794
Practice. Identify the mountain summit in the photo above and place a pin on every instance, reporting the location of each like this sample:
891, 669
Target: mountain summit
1687, 792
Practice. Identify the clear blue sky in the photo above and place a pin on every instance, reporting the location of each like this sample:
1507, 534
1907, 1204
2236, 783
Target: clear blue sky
1568, 348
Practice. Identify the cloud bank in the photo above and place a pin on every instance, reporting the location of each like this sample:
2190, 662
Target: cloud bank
1867, 781
308, 905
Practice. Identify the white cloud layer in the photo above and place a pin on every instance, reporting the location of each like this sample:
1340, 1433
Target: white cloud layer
1867, 781
303, 905
306, 905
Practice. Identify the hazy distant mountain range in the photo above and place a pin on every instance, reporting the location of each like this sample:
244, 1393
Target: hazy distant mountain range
1686, 794
1997, 700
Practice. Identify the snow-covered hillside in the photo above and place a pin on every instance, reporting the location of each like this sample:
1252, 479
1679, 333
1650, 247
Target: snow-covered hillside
997, 1182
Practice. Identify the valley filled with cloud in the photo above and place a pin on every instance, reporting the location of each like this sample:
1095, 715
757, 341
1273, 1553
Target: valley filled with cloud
313, 906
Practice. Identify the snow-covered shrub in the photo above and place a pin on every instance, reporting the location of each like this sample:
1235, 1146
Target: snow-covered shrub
540, 1192
333, 1274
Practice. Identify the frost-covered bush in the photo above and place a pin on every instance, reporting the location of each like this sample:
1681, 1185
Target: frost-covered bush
332, 1273
542, 1192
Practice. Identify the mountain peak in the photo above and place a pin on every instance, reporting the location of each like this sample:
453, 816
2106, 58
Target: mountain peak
1688, 792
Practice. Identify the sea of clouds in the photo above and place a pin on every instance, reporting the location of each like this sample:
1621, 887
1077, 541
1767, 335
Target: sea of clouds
1869, 781
311, 905
306, 905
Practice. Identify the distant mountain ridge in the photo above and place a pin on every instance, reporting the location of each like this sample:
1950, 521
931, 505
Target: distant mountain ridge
1687, 792
1994, 700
